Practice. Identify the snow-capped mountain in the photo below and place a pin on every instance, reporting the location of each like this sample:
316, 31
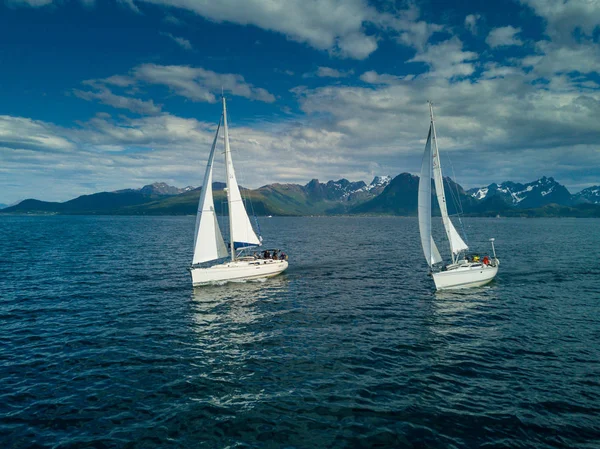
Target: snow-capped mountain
589, 195
534, 194
380, 181
375, 187
332, 190
343, 189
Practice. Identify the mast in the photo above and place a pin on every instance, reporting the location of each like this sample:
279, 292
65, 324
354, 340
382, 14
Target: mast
229, 176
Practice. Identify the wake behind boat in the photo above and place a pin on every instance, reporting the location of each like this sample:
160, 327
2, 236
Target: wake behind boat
209, 245
463, 272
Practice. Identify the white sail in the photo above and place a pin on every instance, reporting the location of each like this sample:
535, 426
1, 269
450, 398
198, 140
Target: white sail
241, 232
456, 242
432, 255
208, 241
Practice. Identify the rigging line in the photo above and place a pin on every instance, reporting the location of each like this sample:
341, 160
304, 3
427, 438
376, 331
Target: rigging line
455, 197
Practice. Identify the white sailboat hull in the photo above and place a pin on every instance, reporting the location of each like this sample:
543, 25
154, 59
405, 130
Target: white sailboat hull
469, 275
239, 270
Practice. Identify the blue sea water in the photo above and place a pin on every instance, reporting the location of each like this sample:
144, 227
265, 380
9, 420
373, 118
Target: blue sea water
104, 343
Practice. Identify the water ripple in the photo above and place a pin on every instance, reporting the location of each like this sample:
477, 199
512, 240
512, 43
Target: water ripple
104, 344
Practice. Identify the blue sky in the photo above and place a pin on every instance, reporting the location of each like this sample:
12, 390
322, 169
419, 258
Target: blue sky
104, 95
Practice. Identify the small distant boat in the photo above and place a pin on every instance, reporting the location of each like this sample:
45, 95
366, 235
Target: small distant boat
463, 272
209, 245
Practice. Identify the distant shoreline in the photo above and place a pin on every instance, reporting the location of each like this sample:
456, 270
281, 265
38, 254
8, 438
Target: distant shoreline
56, 214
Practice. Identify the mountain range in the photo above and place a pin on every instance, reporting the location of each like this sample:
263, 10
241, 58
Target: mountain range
384, 195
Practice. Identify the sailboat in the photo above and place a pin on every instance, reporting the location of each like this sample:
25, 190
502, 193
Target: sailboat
209, 245
463, 271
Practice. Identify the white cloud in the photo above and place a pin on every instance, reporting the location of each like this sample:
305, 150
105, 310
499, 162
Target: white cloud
336, 26
194, 83
328, 72
503, 37
105, 96
130, 4
27, 133
172, 20
471, 22
410, 31
497, 127
30, 3
447, 59
373, 77
115, 80
570, 25
356, 45
199, 84
495, 70
182, 42
166, 149
555, 58
564, 17
333, 25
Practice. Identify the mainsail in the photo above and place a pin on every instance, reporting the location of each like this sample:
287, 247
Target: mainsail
208, 241
432, 255
456, 242
241, 232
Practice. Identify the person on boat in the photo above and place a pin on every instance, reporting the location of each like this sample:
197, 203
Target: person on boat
283, 256
486, 260
475, 258
266, 254
275, 255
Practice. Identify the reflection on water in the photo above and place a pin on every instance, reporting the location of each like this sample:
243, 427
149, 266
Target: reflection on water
226, 314
241, 290
451, 302
232, 325
235, 301
463, 312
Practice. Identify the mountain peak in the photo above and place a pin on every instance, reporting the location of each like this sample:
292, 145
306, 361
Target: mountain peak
545, 190
162, 188
380, 180
588, 195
